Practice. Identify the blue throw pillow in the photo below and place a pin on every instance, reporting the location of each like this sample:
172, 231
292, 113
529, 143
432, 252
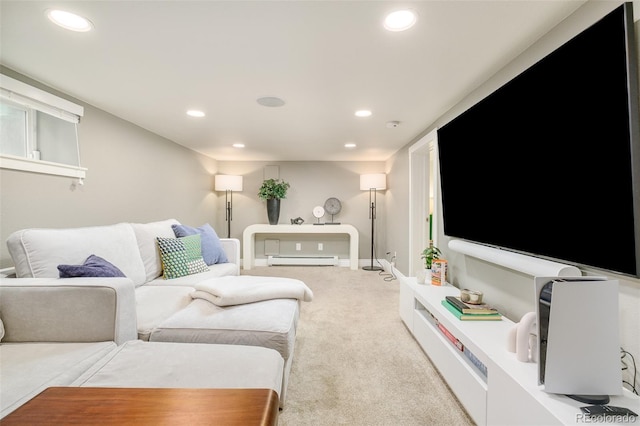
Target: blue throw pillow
94, 266
212, 251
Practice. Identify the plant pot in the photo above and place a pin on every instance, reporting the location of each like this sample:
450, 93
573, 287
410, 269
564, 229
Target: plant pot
423, 276
273, 210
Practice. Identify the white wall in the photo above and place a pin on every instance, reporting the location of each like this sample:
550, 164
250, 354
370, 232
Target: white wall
133, 176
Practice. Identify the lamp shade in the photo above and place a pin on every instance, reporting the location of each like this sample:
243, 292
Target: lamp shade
228, 183
373, 181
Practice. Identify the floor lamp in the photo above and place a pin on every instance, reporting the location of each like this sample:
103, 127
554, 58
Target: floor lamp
372, 183
228, 184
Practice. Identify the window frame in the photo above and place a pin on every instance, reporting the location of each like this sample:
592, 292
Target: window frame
34, 99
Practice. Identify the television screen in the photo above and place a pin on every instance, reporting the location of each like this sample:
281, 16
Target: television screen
549, 164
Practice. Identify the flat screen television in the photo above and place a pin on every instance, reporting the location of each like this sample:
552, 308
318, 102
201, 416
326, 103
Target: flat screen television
549, 164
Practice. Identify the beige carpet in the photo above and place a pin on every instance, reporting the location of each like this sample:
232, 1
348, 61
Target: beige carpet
355, 362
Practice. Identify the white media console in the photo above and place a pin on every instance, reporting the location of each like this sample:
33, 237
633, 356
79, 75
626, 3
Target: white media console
493, 386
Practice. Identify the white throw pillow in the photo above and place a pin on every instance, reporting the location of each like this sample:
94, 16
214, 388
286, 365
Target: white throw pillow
1, 330
146, 234
36, 253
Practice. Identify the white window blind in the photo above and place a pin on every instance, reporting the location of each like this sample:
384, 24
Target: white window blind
38, 130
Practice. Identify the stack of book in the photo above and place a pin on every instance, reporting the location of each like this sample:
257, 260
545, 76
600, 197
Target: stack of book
468, 312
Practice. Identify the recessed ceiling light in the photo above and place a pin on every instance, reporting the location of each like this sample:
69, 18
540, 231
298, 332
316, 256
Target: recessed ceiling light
69, 20
400, 20
363, 113
238, 145
195, 113
349, 145
270, 101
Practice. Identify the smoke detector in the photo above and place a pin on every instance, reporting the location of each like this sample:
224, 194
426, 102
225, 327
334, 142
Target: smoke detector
392, 124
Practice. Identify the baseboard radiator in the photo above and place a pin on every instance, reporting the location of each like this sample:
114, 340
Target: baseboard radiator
303, 260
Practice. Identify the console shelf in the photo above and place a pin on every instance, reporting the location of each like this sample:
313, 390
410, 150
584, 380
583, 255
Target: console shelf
493, 386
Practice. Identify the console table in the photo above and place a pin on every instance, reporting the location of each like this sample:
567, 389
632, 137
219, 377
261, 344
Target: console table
146, 406
248, 237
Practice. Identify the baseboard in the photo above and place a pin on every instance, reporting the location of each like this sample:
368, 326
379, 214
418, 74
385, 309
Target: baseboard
303, 260
344, 263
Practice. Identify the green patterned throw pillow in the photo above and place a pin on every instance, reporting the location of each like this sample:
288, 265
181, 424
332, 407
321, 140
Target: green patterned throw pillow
181, 256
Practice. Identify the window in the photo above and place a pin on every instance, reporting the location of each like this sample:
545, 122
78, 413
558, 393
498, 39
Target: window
38, 131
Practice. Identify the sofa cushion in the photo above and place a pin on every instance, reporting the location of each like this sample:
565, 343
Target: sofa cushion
146, 234
139, 364
212, 251
94, 266
181, 256
271, 324
154, 304
38, 252
29, 368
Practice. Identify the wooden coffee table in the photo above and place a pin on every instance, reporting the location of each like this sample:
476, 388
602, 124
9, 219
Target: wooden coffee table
158, 406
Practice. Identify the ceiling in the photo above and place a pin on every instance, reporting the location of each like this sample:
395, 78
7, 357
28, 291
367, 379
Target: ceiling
148, 62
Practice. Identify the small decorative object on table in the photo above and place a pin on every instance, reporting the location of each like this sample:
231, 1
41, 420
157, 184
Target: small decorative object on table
318, 212
472, 297
297, 221
333, 207
439, 272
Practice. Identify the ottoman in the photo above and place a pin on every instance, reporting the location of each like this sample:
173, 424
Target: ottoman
269, 323
138, 364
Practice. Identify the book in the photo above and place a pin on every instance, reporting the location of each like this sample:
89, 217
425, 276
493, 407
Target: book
468, 308
451, 337
470, 317
475, 361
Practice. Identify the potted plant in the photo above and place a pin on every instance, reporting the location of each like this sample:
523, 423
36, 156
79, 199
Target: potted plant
429, 254
273, 190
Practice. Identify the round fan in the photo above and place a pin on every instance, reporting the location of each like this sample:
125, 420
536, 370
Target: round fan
333, 207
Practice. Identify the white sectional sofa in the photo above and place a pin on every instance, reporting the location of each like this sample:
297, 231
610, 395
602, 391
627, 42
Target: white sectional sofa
165, 309
82, 333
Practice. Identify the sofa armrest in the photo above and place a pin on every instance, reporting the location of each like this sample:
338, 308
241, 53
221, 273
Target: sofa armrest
231, 247
68, 310
8, 272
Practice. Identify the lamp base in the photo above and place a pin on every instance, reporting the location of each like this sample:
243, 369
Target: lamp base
372, 268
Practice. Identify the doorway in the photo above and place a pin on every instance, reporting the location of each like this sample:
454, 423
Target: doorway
423, 192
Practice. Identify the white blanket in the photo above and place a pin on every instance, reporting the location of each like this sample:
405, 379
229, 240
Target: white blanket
237, 290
